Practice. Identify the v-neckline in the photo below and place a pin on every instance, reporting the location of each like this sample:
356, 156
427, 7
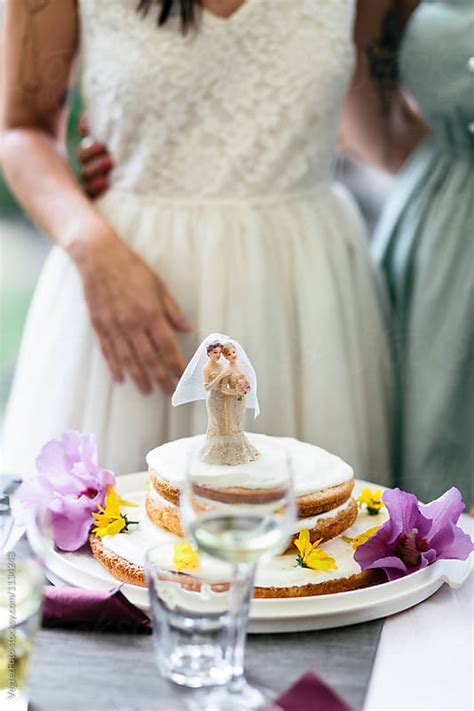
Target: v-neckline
218, 19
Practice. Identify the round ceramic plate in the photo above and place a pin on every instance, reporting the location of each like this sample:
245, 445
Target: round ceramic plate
275, 615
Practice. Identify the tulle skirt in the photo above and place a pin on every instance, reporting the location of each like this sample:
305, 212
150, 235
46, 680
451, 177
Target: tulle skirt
288, 276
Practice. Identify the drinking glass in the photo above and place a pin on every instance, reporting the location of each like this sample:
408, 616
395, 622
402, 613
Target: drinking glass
193, 620
21, 591
239, 522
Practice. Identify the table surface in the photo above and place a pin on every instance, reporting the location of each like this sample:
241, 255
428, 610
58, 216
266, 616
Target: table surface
423, 663
425, 657
112, 672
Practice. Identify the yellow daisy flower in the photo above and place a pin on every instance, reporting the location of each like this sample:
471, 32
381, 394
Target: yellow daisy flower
310, 556
185, 556
110, 521
361, 538
372, 500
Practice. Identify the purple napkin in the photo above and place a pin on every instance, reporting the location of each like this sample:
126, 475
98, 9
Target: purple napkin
309, 693
98, 610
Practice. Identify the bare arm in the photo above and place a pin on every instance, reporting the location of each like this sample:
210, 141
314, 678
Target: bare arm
384, 139
38, 49
133, 313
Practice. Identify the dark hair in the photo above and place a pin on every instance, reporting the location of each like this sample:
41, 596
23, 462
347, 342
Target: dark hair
186, 8
212, 346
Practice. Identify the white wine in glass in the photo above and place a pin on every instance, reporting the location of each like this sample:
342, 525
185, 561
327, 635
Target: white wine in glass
21, 589
240, 526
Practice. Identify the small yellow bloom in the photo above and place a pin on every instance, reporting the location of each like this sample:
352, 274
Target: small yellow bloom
185, 556
361, 538
372, 500
110, 521
311, 556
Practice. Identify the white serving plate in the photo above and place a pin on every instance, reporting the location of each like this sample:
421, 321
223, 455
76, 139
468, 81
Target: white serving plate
274, 615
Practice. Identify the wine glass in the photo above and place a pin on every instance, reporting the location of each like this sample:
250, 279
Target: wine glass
239, 516
21, 592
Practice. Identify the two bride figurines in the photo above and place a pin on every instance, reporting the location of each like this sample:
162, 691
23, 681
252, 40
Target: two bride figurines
227, 386
221, 373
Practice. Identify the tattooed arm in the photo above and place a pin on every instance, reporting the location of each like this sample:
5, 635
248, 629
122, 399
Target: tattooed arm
133, 313
380, 122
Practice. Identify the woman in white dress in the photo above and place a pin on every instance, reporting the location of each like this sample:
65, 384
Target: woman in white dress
222, 215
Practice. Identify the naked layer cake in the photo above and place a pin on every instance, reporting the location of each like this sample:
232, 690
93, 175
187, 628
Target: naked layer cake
324, 486
229, 468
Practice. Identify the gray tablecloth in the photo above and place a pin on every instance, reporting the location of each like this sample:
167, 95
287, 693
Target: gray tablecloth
109, 672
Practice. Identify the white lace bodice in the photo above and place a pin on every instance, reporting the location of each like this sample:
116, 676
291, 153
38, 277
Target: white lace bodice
242, 106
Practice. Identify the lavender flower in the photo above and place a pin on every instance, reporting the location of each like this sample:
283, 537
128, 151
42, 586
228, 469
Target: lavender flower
415, 535
69, 486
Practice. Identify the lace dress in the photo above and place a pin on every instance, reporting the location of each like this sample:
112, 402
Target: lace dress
224, 144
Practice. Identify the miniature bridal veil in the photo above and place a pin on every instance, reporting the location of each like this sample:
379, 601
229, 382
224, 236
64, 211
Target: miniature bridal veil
191, 387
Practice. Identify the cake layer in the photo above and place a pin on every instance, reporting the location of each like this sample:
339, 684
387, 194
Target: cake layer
308, 505
123, 555
307, 583
325, 525
313, 468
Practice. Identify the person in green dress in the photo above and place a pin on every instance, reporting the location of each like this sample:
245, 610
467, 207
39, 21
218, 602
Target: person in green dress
424, 240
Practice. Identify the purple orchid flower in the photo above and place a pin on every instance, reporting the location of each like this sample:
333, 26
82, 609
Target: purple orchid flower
416, 535
69, 486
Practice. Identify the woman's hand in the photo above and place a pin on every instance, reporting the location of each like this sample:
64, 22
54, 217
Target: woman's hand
132, 312
94, 160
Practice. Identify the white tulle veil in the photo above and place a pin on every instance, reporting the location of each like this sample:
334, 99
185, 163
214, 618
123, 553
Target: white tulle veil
191, 388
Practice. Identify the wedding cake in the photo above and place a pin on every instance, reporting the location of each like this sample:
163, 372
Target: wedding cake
232, 466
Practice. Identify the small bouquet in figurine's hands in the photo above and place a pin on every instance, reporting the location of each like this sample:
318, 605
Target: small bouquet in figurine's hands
242, 387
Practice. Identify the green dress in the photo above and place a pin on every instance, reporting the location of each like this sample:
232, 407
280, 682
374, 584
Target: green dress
425, 245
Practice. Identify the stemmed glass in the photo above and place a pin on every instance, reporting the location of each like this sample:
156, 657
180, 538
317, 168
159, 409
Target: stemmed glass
239, 525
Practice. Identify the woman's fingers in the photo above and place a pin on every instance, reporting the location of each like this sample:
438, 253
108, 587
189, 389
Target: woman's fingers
165, 341
133, 314
130, 361
97, 166
108, 351
89, 148
173, 312
150, 358
96, 187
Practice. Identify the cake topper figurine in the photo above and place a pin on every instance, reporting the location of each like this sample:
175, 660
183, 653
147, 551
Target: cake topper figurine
221, 373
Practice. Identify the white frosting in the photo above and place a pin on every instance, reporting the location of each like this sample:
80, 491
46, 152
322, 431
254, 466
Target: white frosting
280, 571
313, 468
311, 521
155, 496
301, 523
133, 544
